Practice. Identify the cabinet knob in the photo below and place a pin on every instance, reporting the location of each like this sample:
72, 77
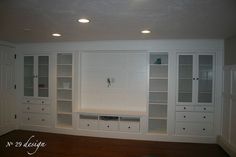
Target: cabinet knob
204, 129
108, 126
42, 102
204, 108
28, 118
88, 125
28, 101
204, 117
184, 108
42, 109
42, 120
184, 128
184, 116
129, 127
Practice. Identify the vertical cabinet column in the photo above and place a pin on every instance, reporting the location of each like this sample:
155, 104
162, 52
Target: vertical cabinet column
195, 97
158, 93
36, 103
64, 90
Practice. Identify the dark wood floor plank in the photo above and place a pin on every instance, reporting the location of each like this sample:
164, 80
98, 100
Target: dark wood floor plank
59, 145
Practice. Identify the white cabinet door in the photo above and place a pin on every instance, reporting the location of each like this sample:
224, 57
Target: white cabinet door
195, 79
36, 76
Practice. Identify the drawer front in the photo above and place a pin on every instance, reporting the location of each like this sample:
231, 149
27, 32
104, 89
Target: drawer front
36, 101
129, 126
88, 124
204, 109
36, 108
36, 119
197, 129
108, 125
194, 117
184, 108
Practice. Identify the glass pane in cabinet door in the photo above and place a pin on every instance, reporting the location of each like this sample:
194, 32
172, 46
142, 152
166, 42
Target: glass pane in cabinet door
185, 75
43, 73
28, 76
205, 81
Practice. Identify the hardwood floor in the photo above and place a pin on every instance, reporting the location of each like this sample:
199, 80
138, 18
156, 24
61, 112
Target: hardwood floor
58, 145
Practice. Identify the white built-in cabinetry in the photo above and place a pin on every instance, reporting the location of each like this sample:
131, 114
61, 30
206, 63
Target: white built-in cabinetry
158, 92
8, 107
36, 104
64, 90
228, 137
195, 96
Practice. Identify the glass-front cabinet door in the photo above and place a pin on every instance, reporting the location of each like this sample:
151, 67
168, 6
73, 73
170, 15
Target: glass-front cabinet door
36, 76
195, 79
28, 75
185, 77
205, 79
43, 76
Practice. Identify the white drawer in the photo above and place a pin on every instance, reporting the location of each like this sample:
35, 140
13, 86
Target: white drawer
127, 126
36, 119
36, 101
88, 124
204, 109
184, 108
36, 108
194, 117
196, 129
108, 125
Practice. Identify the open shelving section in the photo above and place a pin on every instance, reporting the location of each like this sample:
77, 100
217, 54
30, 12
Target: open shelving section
64, 90
158, 93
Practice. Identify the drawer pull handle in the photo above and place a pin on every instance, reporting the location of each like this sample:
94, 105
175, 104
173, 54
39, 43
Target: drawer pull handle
184, 116
108, 126
204, 108
88, 125
27, 101
184, 108
28, 118
129, 127
42, 120
42, 109
184, 128
204, 117
203, 129
42, 102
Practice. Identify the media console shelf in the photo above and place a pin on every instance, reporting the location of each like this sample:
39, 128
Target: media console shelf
122, 121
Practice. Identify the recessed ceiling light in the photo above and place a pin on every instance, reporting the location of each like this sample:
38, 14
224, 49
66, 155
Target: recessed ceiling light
56, 34
83, 20
146, 31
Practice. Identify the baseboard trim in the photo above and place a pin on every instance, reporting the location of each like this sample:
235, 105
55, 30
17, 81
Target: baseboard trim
7, 128
230, 149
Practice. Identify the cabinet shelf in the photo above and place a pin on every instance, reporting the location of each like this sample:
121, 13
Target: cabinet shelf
164, 104
64, 113
158, 78
64, 76
64, 64
68, 89
158, 91
158, 118
158, 64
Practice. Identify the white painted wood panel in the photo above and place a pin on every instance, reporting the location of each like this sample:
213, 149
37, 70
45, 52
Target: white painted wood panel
127, 73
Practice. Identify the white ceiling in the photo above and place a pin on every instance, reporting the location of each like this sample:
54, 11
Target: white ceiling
36, 20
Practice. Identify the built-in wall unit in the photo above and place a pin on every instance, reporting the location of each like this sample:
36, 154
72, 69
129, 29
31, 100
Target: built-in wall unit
35, 101
161, 90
